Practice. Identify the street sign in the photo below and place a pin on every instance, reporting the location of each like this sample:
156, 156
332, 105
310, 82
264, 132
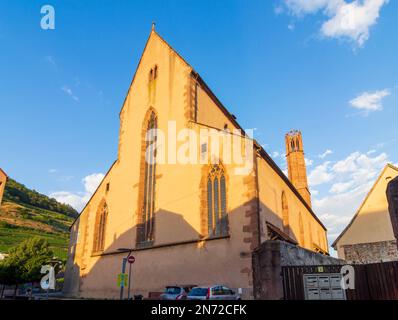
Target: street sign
122, 279
131, 259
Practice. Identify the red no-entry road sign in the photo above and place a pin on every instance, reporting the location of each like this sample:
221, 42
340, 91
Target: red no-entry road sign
131, 259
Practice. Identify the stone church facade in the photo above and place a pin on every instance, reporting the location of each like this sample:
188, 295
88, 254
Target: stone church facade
192, 223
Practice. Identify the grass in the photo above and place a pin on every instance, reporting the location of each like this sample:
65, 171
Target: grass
19, 227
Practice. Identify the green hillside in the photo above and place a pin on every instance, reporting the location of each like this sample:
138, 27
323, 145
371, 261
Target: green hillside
26, 213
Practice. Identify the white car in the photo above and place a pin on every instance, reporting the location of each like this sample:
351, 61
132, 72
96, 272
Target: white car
216, 292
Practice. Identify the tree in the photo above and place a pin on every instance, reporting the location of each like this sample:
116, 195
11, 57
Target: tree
25, 261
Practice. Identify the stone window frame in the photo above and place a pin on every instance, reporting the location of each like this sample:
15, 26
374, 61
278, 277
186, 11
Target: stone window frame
145, 235
216, 185
101, 220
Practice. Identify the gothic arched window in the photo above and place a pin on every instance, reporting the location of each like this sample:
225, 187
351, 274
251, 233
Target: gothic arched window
100, 227
217, 219
297, 144
148, 179
285, 213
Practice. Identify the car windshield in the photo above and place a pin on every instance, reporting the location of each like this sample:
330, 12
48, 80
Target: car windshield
198, 292
172, 290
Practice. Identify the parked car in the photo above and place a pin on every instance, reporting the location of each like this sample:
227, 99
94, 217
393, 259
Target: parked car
216, 292
176, 292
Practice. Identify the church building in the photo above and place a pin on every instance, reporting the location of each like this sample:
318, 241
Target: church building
185, 222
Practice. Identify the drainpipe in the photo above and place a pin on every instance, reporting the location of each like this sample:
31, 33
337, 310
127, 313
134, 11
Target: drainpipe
256, 156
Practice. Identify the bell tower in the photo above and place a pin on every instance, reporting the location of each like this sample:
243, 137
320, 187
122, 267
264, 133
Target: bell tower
296, 164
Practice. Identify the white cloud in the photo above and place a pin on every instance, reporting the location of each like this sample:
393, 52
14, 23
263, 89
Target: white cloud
356, 163
325, 154
350, 20
308, 162
302, 7
79, 200
92, 182
320, 175
52, 171
69, 92
346, 165
372, 151
275, 154
370, 101
340, 206
340, 187
334, 220
353, 20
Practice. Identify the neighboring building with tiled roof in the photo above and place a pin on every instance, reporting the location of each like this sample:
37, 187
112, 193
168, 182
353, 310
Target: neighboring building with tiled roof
369, 237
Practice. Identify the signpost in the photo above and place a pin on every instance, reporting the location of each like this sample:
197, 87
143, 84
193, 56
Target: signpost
124, 279
130, 260
122, 273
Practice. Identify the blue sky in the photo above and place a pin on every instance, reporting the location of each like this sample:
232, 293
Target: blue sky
277, 65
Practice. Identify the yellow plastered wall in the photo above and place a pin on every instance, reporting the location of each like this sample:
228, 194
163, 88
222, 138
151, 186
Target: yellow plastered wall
216, 118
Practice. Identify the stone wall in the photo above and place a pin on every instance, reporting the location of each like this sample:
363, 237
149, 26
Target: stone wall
374, 252
268, 261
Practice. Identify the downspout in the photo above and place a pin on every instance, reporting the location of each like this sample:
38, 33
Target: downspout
256, 155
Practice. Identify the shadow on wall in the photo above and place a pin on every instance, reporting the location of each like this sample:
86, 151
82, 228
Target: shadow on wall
179, 256
71, 281
96, 275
